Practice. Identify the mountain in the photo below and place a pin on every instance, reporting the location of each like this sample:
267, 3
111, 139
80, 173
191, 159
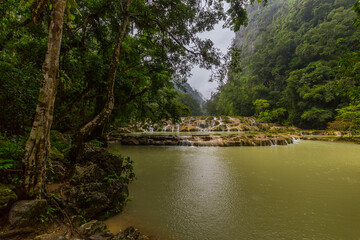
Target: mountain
299, 63
186, 88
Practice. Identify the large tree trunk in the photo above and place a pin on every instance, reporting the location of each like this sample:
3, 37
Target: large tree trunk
105, 113
38, 145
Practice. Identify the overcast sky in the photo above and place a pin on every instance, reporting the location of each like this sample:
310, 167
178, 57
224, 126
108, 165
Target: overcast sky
222, 39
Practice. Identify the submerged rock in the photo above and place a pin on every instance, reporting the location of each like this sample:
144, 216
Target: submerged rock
7, 197
27, 212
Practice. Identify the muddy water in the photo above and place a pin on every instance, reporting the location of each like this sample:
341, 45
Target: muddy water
308, 190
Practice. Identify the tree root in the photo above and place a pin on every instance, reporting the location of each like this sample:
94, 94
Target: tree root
70, 224
15, 232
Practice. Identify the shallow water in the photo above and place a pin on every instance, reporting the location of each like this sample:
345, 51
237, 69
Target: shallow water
308, 190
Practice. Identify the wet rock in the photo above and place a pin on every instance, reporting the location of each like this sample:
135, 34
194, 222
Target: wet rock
55, 172
86, 173
94, 199
130, 233
50, 237
27, 212
77, 220
96, 190
91, 228
107, 235
7, 197
109, 163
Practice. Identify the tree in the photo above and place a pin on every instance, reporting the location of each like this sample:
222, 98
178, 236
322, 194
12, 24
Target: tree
38, 145
176, 25
302, 56
105, 113
351, 115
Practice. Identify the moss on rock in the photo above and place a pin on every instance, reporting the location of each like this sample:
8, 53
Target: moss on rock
7, 196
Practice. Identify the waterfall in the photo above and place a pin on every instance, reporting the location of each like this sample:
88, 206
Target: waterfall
151, 129
253, 121
164, 129
177, 128
201, 125
294, 139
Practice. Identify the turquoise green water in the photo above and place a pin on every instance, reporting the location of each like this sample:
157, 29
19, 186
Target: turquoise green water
309, 190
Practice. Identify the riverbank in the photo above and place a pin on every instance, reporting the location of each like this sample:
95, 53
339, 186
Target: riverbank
332, 138
79, 194
203, 139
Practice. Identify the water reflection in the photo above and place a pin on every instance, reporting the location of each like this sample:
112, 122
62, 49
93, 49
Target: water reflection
305, 191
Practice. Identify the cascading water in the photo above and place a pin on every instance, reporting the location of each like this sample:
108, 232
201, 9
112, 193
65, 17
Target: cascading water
295, 140
165, 128
201, 125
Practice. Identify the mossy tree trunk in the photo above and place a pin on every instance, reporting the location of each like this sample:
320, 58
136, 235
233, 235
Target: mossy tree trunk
38, 144
105, 113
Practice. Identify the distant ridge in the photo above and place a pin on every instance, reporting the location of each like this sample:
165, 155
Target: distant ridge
186, 88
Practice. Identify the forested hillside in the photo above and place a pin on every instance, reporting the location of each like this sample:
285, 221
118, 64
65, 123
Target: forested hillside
192, 99
300, 65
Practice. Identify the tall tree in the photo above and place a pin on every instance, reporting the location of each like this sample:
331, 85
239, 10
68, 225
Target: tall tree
173, 27
105, 113
38, 145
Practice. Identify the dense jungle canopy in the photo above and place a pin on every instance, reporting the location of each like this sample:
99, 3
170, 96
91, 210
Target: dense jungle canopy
299, 63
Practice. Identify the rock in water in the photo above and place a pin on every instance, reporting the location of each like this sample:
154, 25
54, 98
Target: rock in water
27, 212
7, 197
130, 233
94, 199
91, 228
97, 188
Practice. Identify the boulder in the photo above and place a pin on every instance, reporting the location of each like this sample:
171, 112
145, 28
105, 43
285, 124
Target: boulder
130, 233
27, 212
86, 173
55, 172
7, 197
91, 228
94, 199
50, 237
106, 235
109, 163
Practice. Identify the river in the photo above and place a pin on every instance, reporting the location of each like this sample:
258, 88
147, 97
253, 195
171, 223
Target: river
308, 190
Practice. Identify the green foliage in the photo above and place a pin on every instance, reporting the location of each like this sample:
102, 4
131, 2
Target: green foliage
11, 152
317, 117
96, 143
350, 115
49, 216
193, 105
299, 60
261, 105
128, 174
